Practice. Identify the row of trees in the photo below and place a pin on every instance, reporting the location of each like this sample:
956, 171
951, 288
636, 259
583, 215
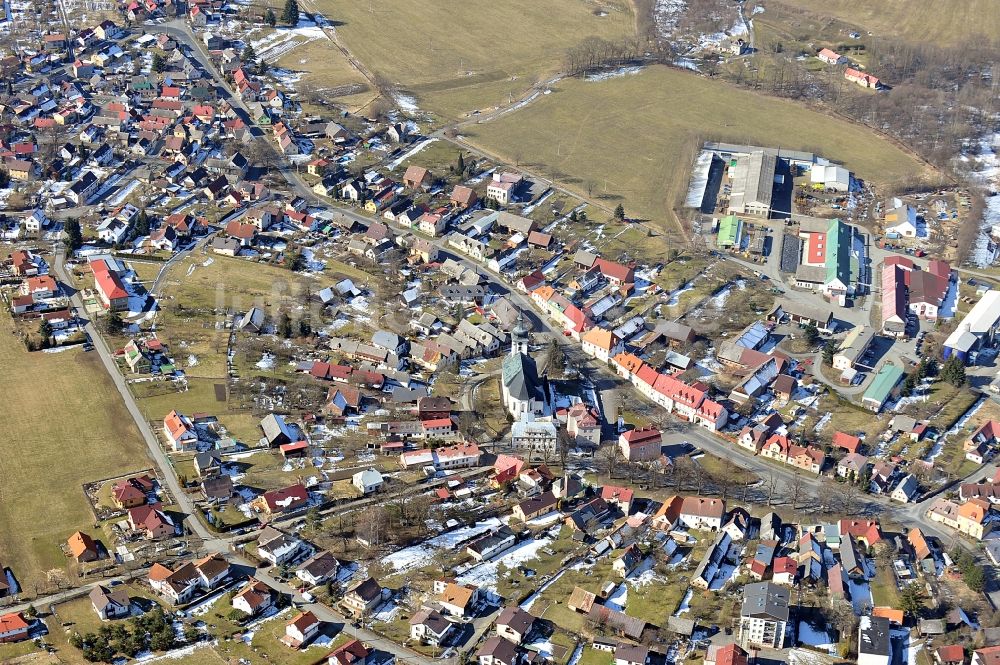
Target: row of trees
594, 53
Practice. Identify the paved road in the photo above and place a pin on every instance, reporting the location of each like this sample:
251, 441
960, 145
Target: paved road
167, 475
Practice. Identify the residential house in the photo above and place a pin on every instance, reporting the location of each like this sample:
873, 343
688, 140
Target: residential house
111, 604
906, 489
151, 522
497, 651
491, 544
874, 641
282, 500
702, 513
180, 431
641, 445
430, 627
13, 627
367, 481
364, 596
764, 616
278, 547
255, 598
83, 548
320, 568
301, 630
631, 654
514, 624
352, 652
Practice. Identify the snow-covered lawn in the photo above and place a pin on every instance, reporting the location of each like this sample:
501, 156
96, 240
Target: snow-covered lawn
813, 637
486, 574
419, 555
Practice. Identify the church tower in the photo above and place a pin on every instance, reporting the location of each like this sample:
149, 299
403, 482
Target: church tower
520, 336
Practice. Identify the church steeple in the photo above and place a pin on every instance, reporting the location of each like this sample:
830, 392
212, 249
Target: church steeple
520, 336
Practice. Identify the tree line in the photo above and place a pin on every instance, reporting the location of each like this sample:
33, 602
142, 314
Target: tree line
595, 53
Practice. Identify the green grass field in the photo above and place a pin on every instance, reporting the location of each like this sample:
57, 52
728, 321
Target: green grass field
946, 23
632, 139
64, 425
457, 57
324, 69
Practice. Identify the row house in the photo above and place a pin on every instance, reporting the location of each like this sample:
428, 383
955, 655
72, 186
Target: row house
181, 585
780, 448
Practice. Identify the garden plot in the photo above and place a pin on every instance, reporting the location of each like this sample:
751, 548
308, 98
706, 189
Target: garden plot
814, 637
486, 574
641, 576
418, 555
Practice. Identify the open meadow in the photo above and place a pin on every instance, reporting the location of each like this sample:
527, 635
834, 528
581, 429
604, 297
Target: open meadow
64, 425
321, 71
943, 23
456, 57
632, 139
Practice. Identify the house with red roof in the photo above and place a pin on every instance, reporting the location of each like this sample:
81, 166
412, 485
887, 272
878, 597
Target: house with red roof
846, 442
617, 274
776, 448
151, 521
506, 469
301, 630
13, 627
282, 500
831, 57
727, 654
349, 653
807, 458
127, 495
784, 570
950, 654
23, 264
40, 287
710, 415
621, 496
180, 431
641, 445
862, 79
109, 287
867, 531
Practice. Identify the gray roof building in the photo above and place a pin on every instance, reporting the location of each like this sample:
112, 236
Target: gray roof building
873, 637
764, 600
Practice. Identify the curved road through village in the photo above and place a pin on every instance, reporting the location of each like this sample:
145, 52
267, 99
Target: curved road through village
910, 514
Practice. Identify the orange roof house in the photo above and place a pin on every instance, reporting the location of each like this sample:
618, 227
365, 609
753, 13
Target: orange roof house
82, 547
893, 615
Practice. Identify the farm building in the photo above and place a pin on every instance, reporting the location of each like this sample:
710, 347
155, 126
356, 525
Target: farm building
882, 387
752, 179
978, 326
830, 176
730, 232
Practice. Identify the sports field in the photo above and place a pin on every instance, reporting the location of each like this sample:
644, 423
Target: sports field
944, 22
63, 425
633, 138
455, 57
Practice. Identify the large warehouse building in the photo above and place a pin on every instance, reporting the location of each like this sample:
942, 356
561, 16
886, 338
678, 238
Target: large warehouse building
979, 327
752, 177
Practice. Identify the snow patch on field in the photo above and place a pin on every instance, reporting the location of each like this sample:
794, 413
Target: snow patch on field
486, 574
666, 15
410, 153
418, 555
282, 40
615, 73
